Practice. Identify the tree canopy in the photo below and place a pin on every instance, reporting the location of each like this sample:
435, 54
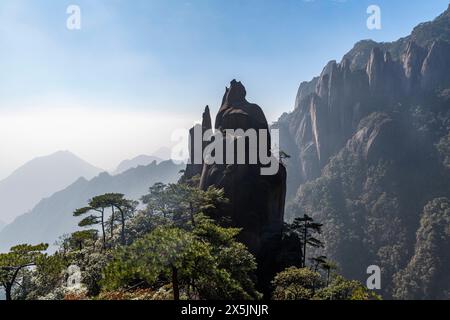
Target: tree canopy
16, 260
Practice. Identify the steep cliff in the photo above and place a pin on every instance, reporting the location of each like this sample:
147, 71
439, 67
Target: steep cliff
371, 77
363, 152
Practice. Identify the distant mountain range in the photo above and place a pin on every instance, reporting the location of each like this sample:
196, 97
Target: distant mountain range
52, 217
142, 160
2, 225
40, 178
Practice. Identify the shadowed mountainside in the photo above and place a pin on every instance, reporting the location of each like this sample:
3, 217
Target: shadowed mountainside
369, 141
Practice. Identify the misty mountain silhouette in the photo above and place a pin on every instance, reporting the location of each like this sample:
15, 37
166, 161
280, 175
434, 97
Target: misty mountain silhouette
52, 217
142, 160
40, 178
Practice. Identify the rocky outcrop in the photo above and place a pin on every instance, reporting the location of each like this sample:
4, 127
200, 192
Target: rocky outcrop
256, 202
195, 166
435, 67
237, 113
377, 137
371, 194
412, 64
306, 88
384, 75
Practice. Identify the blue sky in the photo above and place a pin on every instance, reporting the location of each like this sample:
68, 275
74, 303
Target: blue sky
178, 55
172, 57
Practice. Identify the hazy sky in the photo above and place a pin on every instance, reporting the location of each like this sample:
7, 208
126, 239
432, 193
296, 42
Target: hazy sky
139, 69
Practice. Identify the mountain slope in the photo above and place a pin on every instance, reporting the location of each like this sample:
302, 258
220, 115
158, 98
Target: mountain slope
371, 77
52, 217
40, 178
369, 141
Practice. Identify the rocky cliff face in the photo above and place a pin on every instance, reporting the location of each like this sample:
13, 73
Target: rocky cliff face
371, 77
256, 202
362, 140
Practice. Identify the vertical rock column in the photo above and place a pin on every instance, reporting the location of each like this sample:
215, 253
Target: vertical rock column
256, 201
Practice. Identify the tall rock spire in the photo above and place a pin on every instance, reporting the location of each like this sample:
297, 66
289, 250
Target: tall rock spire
206, 119
197, 146
256, 202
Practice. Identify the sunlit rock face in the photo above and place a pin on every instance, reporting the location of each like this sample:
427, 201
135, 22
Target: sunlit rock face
372, 77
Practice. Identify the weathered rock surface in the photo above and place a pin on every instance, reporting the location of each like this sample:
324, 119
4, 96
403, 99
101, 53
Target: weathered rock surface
372, 77
194, 167
256, 202
369, 150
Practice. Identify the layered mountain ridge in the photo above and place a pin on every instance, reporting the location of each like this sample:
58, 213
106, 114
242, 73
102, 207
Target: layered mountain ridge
52, 217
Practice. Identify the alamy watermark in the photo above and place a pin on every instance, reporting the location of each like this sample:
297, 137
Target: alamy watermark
374, 281
230, 147
374, 20
74, 20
